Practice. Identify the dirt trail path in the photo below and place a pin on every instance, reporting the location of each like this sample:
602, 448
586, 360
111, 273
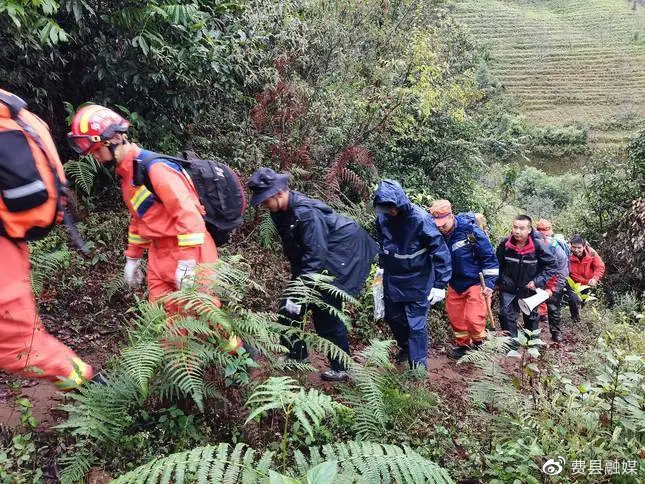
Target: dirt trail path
445, 377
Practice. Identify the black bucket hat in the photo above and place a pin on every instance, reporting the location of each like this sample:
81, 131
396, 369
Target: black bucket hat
265, 183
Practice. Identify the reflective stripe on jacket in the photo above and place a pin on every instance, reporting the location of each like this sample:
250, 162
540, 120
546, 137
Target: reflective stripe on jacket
414, 255
176, 213
472, 253
519, 266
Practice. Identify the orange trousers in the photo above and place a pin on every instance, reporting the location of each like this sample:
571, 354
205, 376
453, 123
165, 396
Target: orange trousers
162, 264
467, 315
26, 348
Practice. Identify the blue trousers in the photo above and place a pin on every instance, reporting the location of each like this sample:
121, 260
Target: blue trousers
408, 322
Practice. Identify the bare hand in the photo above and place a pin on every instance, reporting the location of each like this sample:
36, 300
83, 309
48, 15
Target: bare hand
549, 292
487, 291
531, 286
592, 282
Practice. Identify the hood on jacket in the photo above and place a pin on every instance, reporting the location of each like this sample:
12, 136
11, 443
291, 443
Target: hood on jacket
390, 192
465, 219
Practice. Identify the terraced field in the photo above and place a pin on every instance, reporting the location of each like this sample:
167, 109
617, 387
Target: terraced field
567, 60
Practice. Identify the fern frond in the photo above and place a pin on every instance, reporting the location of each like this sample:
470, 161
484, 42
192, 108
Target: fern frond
83, 172
114, 286
371, 416
319, 344
204, 465
102, 411
356, 462
44, 266
149, 323
230, 277
183, 372
268, 232
376, 354
494, 386
142, 361
372, 462
283, 393
308, 290
288, 365
76, 463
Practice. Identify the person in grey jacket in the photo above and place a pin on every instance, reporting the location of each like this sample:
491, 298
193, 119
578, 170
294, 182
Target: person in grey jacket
554, 303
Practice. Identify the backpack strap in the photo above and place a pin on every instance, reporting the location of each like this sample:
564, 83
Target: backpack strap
13, 103
144, 162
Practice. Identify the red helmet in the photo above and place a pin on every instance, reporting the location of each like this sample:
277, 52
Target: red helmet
93, 126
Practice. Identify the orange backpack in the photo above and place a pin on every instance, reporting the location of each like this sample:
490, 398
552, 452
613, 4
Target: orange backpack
31, 174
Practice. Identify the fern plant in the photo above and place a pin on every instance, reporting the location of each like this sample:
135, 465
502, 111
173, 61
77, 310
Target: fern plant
371, 416
45, 266
168, 359
346, 462
83, 173
268, 233
494, 386
308, 289
285, 395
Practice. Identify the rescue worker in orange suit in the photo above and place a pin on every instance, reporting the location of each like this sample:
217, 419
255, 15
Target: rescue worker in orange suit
472, 253
26, 348
169, 223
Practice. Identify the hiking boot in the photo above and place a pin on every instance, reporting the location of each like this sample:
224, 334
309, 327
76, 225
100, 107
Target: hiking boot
556, 337
459, 351
333, 375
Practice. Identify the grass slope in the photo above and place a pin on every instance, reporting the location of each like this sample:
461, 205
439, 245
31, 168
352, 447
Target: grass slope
567, 60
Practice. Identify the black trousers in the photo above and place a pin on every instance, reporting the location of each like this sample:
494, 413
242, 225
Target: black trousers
554, 306
575, 303
327, 326
508, 316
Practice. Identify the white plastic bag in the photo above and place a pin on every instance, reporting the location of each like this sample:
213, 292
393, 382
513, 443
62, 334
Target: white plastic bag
377, 293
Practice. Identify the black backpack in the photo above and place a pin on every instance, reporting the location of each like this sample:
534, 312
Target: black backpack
218, 187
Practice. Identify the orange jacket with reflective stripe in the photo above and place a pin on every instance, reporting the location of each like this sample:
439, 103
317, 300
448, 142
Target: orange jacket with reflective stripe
179, 215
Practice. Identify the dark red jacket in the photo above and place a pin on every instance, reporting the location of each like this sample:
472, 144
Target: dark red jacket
590, 265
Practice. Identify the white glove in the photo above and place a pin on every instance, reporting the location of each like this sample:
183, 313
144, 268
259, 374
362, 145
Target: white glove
379, 273
436, 295
292, 308
185, 274
132, 273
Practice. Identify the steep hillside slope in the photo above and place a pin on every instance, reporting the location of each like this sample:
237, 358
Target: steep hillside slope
567, 60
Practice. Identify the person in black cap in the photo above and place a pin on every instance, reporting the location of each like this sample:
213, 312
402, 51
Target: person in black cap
315, 239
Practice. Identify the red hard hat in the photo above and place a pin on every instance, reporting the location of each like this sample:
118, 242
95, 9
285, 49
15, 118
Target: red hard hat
92, 126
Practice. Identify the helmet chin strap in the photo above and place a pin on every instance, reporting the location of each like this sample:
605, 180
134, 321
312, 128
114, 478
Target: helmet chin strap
112, 147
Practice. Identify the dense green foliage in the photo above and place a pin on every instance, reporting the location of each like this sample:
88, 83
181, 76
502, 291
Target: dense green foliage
339, 93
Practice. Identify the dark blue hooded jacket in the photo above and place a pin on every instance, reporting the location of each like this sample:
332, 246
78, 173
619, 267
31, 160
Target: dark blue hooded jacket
316, 239
413, 255
472, 253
